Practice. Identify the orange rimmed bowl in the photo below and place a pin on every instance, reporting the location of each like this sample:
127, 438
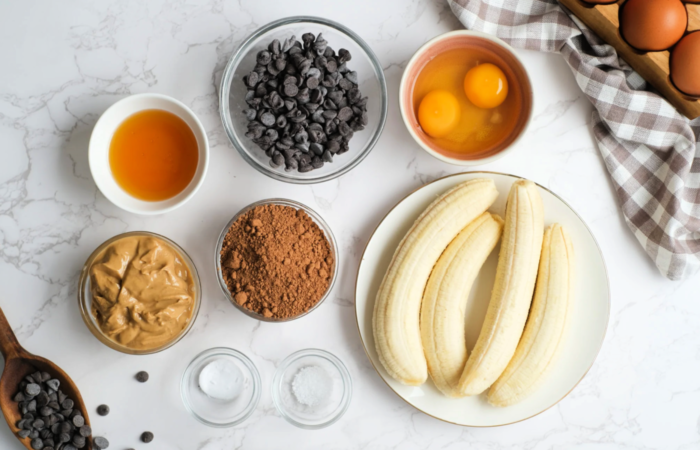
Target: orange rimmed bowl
518, 83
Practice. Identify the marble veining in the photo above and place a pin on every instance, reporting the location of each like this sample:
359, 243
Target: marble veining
65, 62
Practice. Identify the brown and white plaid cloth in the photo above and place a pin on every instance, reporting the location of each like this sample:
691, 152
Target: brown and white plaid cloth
649, 148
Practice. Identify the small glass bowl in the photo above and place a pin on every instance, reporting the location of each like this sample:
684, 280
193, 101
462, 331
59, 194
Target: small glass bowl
326, 412
372, 84
296, 205
85, 296
220, 413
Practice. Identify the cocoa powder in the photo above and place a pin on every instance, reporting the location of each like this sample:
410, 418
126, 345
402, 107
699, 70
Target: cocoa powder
276, 261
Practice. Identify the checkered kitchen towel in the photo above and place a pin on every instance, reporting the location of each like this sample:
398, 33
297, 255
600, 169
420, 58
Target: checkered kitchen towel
648, 147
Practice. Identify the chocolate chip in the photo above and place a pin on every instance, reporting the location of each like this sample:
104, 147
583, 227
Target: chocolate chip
23, 433
100, 442
146, 437
264, 57
78, 421
67, 404
103, 410
85, 431
32, 389
252, 79
317, 162
78, 441
37, 444
344, 55
352, 77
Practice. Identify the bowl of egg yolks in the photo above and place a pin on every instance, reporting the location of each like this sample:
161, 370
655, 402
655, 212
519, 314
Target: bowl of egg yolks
466, 98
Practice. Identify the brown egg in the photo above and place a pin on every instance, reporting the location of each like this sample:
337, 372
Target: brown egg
685, 64
653, 25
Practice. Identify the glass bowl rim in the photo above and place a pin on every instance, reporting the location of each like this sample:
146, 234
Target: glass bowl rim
322, 224
242, 50
344, 375
246, 361
85, 309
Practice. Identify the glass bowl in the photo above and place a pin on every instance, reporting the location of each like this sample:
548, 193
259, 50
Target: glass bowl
371, 83
296, 205
220, 413
85, 296
323, 411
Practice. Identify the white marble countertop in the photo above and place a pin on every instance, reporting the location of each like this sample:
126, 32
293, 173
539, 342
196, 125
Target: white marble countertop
64, 63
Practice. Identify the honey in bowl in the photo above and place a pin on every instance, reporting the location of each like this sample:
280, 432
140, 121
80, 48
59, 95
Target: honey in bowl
484, 89
153, 155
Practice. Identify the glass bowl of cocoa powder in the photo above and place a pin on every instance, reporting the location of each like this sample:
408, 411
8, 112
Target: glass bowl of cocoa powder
276, 260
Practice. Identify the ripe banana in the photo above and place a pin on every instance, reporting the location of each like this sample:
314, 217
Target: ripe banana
395, 321
544, 331
445, 299
512, 290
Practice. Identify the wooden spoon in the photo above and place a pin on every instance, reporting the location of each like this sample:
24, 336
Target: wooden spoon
20, 363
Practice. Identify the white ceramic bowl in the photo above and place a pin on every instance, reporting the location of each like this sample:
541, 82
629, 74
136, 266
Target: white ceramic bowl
504, 56
102, 137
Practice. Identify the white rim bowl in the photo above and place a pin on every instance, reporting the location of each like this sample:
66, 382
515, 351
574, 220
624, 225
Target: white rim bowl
404, 107
101, 139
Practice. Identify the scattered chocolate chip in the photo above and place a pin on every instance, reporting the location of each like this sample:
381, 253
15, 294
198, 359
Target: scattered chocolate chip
142, 376
103, 410
100, 442
146, 437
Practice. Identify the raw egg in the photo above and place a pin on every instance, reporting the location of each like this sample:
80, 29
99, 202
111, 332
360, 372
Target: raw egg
486, 86
685, 64
438, 113
653, 25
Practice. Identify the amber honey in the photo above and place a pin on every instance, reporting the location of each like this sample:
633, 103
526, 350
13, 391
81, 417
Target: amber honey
479, 131
153, 155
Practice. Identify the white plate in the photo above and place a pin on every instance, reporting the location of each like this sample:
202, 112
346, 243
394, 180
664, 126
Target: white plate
589, 319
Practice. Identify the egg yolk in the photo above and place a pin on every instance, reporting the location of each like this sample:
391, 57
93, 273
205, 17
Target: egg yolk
486, 86
438, 113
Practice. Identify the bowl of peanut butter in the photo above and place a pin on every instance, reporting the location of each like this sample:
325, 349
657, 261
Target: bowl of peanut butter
139, 293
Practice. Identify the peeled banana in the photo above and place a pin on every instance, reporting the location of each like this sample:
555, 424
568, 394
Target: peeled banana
396, 317
512, 292
445, 299
546, 325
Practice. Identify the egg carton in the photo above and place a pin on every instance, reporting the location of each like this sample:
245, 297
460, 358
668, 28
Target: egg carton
603, 17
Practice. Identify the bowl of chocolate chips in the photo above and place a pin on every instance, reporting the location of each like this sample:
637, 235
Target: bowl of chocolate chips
303, 100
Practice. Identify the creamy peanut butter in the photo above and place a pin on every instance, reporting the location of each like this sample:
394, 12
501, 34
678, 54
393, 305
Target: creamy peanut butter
143, 292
